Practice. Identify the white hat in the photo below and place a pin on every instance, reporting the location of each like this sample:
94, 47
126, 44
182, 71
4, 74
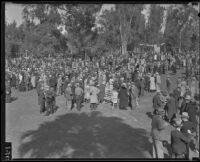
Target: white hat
184, 115
188, 97
158, 91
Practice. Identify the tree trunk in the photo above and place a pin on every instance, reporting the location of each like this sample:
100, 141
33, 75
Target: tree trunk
123, 32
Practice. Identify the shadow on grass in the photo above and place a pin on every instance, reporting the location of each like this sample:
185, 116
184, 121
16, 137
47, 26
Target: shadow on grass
84, 135
13, 99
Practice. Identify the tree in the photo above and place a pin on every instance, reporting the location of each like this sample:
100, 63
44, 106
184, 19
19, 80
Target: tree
154, 24
79, 19
180, 26
43, 38
124, 26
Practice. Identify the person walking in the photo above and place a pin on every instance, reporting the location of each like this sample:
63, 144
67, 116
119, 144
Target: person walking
157, 102
158, 125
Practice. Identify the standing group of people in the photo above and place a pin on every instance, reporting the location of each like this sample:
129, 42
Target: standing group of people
119, 81
180, 109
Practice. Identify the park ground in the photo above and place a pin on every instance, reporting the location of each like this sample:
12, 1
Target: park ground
104, 133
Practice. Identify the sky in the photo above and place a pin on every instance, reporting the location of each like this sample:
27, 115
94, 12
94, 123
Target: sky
13, 12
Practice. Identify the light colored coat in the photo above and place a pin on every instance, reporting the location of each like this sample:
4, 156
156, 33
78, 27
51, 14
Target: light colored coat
152, 83
94, 91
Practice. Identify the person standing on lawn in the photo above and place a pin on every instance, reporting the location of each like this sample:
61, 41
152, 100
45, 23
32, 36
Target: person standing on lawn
179, 141
158, 125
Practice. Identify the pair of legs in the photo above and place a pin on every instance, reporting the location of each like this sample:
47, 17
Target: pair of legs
69, 104
93, 106
158, 149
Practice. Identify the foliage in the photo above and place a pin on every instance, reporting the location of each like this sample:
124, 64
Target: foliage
122, 28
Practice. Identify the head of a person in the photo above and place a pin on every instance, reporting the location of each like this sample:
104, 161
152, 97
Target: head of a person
184, 116
158, 92
123, 85
177, 123
187, 98
171, 94
179, 88
160, 111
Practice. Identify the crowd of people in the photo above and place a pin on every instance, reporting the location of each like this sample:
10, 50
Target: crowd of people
119, 81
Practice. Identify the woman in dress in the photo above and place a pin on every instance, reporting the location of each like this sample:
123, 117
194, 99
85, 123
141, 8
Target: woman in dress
86, 91
152, 84
123, 97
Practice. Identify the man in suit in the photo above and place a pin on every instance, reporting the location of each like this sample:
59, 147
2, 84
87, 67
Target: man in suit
191, 108
158, 126
177, 94
157, 101
52, 82
41, 96
168, 83
179, 141
49, 103
188, 129
171, 108
78, 96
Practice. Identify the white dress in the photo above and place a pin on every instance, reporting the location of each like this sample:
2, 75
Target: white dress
87, 92
33, 81
152, 83
158, 82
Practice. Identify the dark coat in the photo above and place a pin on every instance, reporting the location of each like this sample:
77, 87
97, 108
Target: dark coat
191, 108
179, 142
192, 112
168, 84
52, 82
123, 98
177, 95
102, 92
41, 97
187, 125
158, 125
171, 107
156, 101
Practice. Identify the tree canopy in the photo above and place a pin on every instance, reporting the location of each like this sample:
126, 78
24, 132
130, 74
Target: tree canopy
92, 31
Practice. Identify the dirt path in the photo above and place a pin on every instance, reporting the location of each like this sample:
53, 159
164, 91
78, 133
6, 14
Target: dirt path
70, 134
